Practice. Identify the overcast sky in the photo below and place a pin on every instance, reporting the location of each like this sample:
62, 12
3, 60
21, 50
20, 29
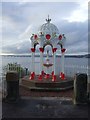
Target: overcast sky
21, 19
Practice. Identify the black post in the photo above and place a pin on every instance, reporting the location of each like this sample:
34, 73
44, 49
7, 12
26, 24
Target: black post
26, 71
80, 89
12, 79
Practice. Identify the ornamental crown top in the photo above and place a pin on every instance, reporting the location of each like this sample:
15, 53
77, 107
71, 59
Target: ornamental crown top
48, 20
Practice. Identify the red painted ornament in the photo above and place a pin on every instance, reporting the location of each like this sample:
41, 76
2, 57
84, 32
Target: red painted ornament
41, 50
35, 37
40, 77
48, 37
42, 72
32, 49
54, 50
47, 76
62, 76
60, 37
32, 76
63, 50
54, 78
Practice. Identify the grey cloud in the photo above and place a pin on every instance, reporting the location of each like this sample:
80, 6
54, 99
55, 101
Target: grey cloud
76, 41
76, 32
67, 27
36, 13
29, 11
19, 48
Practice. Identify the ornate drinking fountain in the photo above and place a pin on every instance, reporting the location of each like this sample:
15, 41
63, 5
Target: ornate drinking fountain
48, 34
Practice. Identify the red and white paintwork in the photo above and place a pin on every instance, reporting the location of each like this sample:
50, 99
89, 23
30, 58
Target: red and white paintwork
48, 35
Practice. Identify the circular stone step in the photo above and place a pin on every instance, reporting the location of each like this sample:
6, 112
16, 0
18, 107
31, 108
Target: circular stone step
47, 84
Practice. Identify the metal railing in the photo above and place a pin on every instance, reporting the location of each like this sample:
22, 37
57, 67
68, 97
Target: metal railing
71, 70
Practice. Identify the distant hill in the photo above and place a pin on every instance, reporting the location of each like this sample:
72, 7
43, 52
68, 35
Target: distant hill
79, 56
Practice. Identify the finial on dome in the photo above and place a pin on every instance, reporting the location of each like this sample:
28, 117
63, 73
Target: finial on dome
48, 20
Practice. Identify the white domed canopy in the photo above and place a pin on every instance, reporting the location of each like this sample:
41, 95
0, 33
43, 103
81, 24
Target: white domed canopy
48, 28
48, 34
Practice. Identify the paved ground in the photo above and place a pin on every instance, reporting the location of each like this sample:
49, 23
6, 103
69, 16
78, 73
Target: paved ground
44, 107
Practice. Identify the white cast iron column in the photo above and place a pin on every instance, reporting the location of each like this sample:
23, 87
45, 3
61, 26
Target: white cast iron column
54, 64
33, 64
62, 75
41, 64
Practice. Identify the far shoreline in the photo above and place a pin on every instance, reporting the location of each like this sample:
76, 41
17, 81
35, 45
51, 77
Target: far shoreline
67, 56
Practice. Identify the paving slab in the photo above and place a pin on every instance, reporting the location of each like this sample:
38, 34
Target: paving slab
44, 107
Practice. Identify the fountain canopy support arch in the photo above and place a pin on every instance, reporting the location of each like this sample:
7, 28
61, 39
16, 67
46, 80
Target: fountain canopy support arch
48, 34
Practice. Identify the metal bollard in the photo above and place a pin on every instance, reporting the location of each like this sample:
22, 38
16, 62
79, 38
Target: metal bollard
26, 71
80, 89
12, 79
